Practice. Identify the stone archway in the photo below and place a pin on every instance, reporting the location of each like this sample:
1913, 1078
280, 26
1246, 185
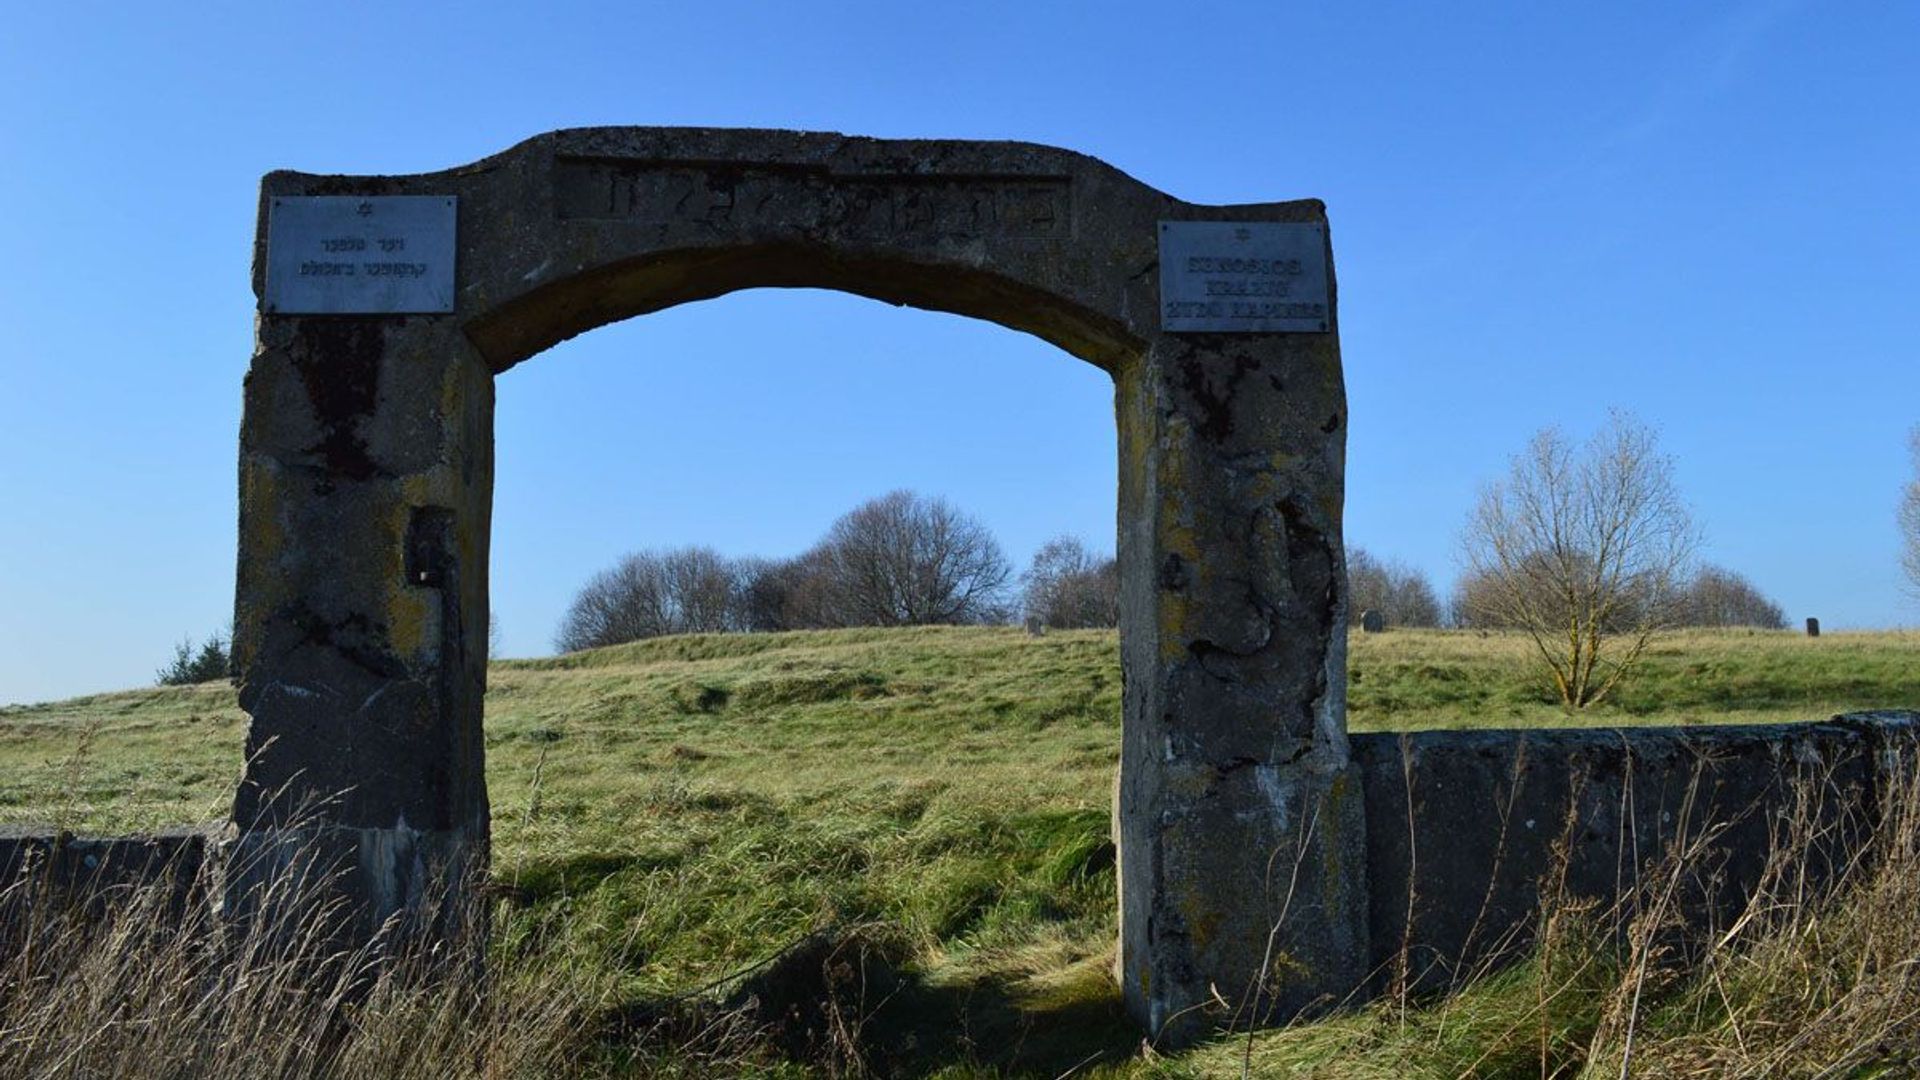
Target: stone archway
388, 303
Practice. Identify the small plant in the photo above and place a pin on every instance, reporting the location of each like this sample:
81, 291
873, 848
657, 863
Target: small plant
190, 665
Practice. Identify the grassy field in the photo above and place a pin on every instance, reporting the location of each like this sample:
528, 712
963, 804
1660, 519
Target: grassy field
669, 813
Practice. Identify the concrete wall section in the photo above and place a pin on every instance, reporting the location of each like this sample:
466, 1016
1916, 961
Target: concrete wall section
1463, 832
1463, 828
43, 868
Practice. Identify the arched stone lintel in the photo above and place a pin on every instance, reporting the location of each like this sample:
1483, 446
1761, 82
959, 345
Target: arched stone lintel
541, 318
576, 228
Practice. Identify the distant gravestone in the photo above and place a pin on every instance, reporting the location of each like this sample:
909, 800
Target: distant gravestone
1036, 626
1373, 621
1813, 627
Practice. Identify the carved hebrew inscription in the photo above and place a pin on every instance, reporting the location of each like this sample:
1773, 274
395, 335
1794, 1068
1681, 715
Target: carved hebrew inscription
720, 193
1247, 277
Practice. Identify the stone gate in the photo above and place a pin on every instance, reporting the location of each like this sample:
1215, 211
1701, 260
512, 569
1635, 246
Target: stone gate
389, 303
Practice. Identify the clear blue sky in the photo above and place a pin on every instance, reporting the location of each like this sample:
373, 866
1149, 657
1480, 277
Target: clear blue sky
1703, 213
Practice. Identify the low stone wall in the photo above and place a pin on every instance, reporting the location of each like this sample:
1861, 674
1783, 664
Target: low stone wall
1463, 828
44, 870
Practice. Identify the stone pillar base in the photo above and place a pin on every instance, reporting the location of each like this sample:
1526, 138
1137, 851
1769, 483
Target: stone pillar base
1260, 914
356, 885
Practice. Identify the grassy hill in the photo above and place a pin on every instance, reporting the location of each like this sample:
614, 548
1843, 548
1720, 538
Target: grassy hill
671, 812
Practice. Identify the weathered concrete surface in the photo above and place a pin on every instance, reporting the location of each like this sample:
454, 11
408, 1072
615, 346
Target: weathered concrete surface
44, 870
1473, 822
366, 494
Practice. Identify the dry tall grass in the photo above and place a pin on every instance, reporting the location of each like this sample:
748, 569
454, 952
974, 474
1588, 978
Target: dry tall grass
143, 987
1817, 974
1814, 972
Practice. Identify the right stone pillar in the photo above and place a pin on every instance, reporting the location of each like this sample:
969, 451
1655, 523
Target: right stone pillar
1239, 818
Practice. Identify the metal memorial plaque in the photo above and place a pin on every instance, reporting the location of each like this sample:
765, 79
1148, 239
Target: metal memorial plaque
360, 254
1243, 276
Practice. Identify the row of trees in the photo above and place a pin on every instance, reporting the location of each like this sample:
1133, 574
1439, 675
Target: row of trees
1712, 596
1401, 594
1588, 550
899, 560
904, 560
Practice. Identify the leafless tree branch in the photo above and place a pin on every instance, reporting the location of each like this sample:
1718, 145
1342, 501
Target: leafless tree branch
1584, 550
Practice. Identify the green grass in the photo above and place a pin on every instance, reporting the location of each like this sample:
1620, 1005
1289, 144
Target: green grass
670, 812
1407, 680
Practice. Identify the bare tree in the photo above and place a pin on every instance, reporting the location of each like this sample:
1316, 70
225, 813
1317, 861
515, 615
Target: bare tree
1585, 551
650, 593
786, 594
1414, 602
1472, 605
905, 560
1719, 597
1910, 520
1476, 601
1367, 584
1068, 587
762, 591
1400, 593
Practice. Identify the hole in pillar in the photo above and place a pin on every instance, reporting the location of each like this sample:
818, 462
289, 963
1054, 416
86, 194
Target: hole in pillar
429, 546
721, 773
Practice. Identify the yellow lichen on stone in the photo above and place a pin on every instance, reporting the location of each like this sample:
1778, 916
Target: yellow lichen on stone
263, 539
1177, 536
1190, 781
1334, 507
1333, 876
407, 620
1202, 922
266, 534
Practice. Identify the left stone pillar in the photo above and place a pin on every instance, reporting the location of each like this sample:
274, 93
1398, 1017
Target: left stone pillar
360, 626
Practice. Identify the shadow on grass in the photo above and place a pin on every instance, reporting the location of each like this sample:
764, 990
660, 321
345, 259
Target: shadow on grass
535, 881
849, 1001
